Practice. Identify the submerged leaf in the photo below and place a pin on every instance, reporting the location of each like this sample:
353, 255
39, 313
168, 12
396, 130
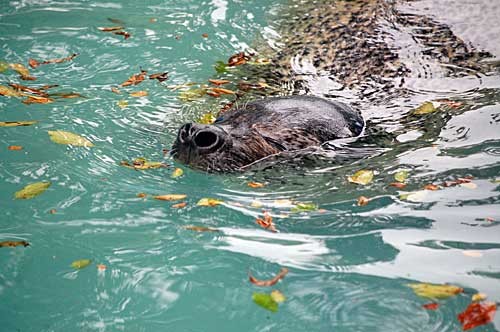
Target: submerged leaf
209, 202
220, 67
81, 263
304, 207
16, 123
3, 66
255, 184
66, 137
142, 164
477, 314
32, 190
170, 197
426, 108
139, 94
201, 229
13, 244
238, 59
179, 205
398, 185
207, 118
159, 76
401, 176
15, 147
218, 82
122, 103
265, 301
435, 291
431, 306
361, 177
270, 282
192, 94
278, 296
177, 173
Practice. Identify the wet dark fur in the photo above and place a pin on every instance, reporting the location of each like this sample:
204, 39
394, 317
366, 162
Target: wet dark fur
267, 127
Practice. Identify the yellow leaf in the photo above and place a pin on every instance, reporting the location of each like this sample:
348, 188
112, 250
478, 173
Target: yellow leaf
278, 296
122, 103
256, 204
170, 197
207, 118
209, 202
192, 94
142, 164
22, 70
426, 108
255, 184
479, 297
9, 92
66, 137
139, 93
16, 123
32, 190
401, 176
361, 177
433, 291
81, 263
177, 173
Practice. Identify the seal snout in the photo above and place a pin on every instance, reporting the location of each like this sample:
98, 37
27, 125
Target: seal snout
203, 138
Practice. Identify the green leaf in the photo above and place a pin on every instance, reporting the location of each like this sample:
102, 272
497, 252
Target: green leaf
207, 118
16, 123
32, 190
81, 263
361, 177
304, 207
3, 66
265, 301
401, 176
426, 108
66, 137
220, 67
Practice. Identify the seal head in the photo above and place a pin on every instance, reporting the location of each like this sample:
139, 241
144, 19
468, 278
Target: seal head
262, 128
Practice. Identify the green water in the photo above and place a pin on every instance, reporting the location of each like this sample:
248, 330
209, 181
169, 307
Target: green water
349, 265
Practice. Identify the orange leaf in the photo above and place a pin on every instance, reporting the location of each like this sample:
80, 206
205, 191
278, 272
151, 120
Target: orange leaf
101, 267
15, 147
37, 100
270, 282
141, 195
362, 200
13, 244
398, 185
33, 63
139, 94
431, 306
267, 222
255, 184
53, 211
218, 82
172, 197
115, 90
205, 35
135, 79
23, 88
477, 314
223, 91
238, 59
213, 94
431, 186
179, 205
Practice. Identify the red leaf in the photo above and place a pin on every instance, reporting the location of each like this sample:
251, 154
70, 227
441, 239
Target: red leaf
267, 222
431, 306
477, 314
270, 282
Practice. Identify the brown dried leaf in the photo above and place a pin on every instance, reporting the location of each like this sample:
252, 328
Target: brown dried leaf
135, 79
238, 59
362, 200
115, 90
270, 282
179, 205
15, 147
138, 94
23, 88
33, 63
125, 34
398, 185
109, 29
218, 82
222, 91
159, 76
37, 100
13, 244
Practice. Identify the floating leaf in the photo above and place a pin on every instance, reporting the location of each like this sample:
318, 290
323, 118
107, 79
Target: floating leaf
266, 222
255, 184
37, 100
362, 200
209, 202
256, 204
222, 91
139, 94
13, 244
431, 187
192, 94
361, 177
304, 207
20, 69
115, 90
66, 137
426, 108
435, 291
142, 164
15, 147
159, 76
270, 282
238, 59
201, 229
416, 196
32, 190
260, 62
3, 66
170, 197
398, 185
81, 263
469, 185
141, 195
205, 35
431, 306
477, 314
23, 88
125, 34
278, 296
122, 103
16, 123
177, 173
135, 79
218, 82
479, 297
265, 301
66, 95
34, 63
472, 253
179, 205
9, 92
207, 118
110, 29
101, 267
401, 176
220, 67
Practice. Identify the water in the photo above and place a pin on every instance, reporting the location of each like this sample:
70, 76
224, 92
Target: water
349, 265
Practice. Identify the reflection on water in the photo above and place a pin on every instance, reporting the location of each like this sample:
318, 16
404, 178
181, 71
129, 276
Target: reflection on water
349, 264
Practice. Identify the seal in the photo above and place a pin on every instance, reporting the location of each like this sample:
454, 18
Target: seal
262, 128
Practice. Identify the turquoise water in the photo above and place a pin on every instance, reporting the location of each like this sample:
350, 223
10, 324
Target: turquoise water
349, 265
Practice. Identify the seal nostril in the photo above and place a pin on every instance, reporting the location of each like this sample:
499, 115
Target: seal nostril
205, 139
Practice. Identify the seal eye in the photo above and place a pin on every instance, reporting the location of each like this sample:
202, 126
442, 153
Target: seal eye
206, 139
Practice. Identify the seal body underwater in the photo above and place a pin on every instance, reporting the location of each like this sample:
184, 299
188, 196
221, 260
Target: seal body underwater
262, 128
